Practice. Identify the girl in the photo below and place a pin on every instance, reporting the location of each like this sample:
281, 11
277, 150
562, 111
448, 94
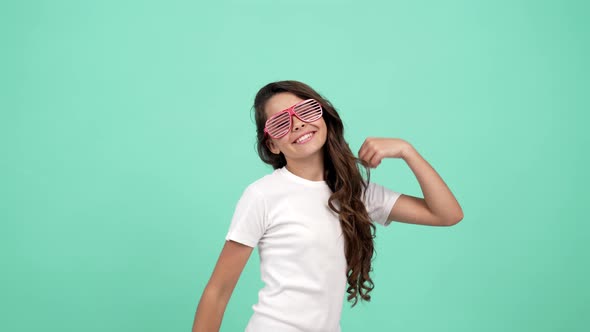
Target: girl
312, 217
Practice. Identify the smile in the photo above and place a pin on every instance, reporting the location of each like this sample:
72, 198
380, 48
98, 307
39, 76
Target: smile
305, 138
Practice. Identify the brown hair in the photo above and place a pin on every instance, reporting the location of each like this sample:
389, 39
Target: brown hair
343, 176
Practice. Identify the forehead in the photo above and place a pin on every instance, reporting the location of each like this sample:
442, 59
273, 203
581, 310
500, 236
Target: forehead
280, 102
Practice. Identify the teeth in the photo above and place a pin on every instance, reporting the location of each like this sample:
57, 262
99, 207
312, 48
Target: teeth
304, 137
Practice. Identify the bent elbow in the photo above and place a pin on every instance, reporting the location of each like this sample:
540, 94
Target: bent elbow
453, 221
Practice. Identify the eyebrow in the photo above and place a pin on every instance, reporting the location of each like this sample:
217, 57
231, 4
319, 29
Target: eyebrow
291, 106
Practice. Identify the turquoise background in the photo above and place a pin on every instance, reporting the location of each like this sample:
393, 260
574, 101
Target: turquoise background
128, 138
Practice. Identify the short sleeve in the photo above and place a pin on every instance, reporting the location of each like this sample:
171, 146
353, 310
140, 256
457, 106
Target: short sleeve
379, 201
249, 220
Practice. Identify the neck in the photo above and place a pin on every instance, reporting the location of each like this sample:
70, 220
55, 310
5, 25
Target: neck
310, 169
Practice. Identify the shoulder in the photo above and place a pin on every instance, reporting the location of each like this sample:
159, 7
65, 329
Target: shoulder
379, 195
371, 187
265, 185
374, 186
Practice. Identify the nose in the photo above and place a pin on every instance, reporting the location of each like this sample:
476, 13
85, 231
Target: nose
297, 124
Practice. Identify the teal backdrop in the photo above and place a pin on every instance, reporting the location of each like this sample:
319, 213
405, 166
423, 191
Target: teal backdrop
128, 138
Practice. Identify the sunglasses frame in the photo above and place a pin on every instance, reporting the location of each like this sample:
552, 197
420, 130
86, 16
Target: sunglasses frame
292, 113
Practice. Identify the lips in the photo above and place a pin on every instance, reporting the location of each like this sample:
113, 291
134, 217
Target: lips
309, 132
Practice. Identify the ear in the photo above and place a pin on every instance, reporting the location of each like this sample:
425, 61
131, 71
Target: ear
272, 146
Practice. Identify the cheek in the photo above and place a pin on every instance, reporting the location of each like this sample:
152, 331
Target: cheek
320, 124
276, 142
283, 141
323, 126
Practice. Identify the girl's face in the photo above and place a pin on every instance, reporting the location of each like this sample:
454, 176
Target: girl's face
290, 145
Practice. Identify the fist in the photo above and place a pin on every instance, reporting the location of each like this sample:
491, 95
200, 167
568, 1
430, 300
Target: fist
374, 149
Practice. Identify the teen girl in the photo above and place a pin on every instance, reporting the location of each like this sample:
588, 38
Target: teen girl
312, 217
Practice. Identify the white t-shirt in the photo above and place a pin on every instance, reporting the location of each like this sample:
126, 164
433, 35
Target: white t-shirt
301, 248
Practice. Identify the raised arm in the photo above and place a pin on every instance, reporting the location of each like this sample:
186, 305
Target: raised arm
438, 207
220, 287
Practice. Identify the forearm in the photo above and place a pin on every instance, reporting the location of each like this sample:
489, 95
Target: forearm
210, 311
439, 198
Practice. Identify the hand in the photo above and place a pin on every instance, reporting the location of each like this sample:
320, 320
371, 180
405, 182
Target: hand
374, 149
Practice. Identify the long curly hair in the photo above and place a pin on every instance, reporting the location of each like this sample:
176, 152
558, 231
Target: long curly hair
343, 176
